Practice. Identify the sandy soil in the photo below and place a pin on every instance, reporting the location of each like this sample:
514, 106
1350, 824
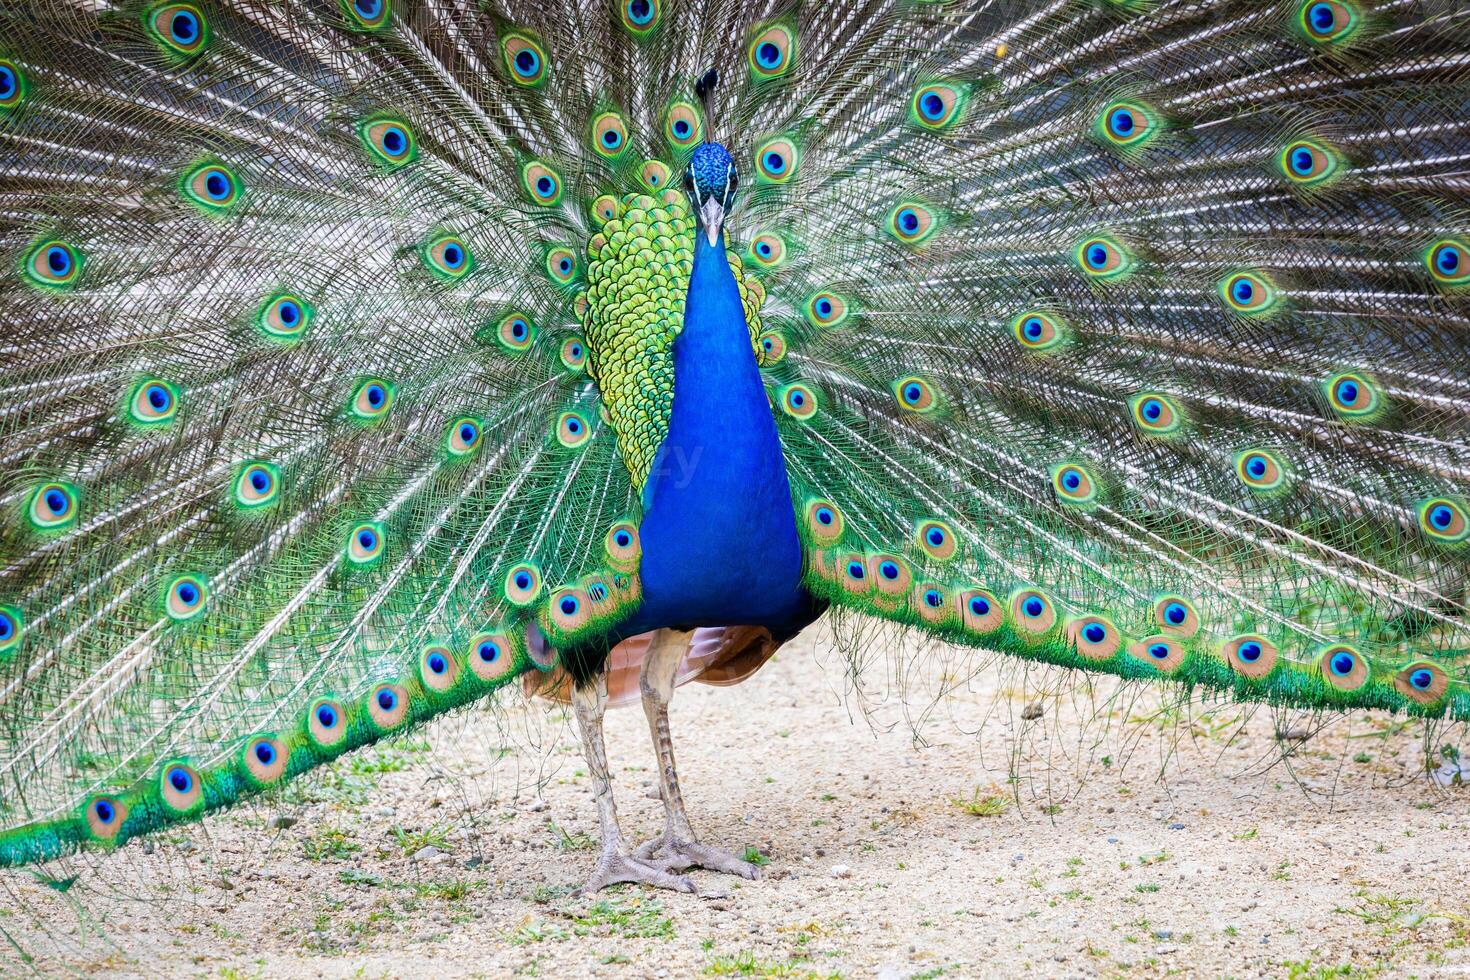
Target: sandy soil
1115, 835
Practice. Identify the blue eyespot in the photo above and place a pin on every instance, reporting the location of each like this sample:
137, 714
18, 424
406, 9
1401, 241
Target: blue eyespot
623, 538
1175, 613
105, 811
1322, 17
1421, 679
611, 138
1095, 633
437, 663
565, 265
1071, 479
888, 570
159, 397
774, 162
856, 570
527, 62
569, 605
394, 140
908, 220
824, 307
1243, 290
289, 313
369, 9
936, 537
7, 82
56, 501
797, 399
376, 395
1152, 408
387, 700
1159, 651
217, 185
1256, 466
769, 55
453, 256
1343, 664
489, 652
1441, 516
58, 260
1034, 607
824, 516
184, 27
1121, 123
979, 606
468, 434
933, 598
1249, 651
366, 539
265, 752
326, 717
1447, 260
912, 393
932, 106
523, 580
7, 627
574, 426
180, 779
1097, 256
188, 593
1302, 162
597, 591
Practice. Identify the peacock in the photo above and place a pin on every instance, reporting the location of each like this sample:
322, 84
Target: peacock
362, 358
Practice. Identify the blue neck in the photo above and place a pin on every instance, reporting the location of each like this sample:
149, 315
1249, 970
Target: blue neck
719, 534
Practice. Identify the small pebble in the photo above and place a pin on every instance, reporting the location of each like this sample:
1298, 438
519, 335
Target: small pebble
283, 822
426, 852
841, 871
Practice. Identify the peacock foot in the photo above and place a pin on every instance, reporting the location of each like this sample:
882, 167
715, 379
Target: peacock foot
616, 868
672, 854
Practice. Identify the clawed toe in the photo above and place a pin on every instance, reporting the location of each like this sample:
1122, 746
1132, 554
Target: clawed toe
614, 869
676, 855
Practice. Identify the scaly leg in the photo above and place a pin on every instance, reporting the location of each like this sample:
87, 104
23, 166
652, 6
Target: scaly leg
615, 864
677, 849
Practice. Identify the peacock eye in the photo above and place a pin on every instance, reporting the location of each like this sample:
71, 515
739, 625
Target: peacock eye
1260, 469
776, 160
681, 124
937, 106
284, 318
365, 544
1037, 330
213, 187
257, 484
772, 52
1249, 292
1308, 163
915, 394
1128, 125
1074, 484
524, 59
573, 354
447, 258
372, 399
53, 506
1444, 520
53, 265
542, 183
366, 15
640, 16
768, 249
1449, 262
910, 223
561, 264
462, 436
186, 597
572, 430
798, 401
153, 401
1103, 259
1329, 21
609, 135
655, 175
1353, 396
1156, 414
12, 85
826, 309
179, 28
390, 141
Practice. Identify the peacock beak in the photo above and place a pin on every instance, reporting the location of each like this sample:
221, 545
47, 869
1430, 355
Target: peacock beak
712, 215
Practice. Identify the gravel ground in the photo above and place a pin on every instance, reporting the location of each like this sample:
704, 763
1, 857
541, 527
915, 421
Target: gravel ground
1112, 834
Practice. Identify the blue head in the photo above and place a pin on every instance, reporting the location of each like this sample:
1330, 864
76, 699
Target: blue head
710, 183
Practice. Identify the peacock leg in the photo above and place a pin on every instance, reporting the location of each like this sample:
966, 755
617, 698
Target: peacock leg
677, 849
615, 864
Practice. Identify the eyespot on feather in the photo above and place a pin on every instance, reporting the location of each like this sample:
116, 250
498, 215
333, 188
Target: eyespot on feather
889, 574
1422, 682
542, 183
1444, 520
522, 585
640, 17
53, 506
387, 706
1032, 612
682, 125
212, 187
914, 394
372, 399
284, 317
623, 546
1163, 653
326, 723
490, 656
365, 544
938, 106
1343, 667
366, 15
1249, 293
263, 760
1103, 259
1309, 163
180, 789
53, 265
561, 264
153, 401
609, 135
826, 309
767, 250
798, 401
777, 160
1328, 23
438, 669
1074, 484
1250, 655
1353, 396
257, 484
462, 437
1156, 414
572, 430
980, 612
655, 175
14, 86
525, 61
773, 348
1038, 331
1094, 637
1261, 470
12, 631
573, 354
447, 258
179, 29
936, 539
911, 223
824, 521
771, 52
1128, 126
104, 817
932, 603
185, 597
1176, 616
1449, 262
389, 140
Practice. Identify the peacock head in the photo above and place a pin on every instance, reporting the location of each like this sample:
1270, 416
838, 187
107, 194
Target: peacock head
710, 183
